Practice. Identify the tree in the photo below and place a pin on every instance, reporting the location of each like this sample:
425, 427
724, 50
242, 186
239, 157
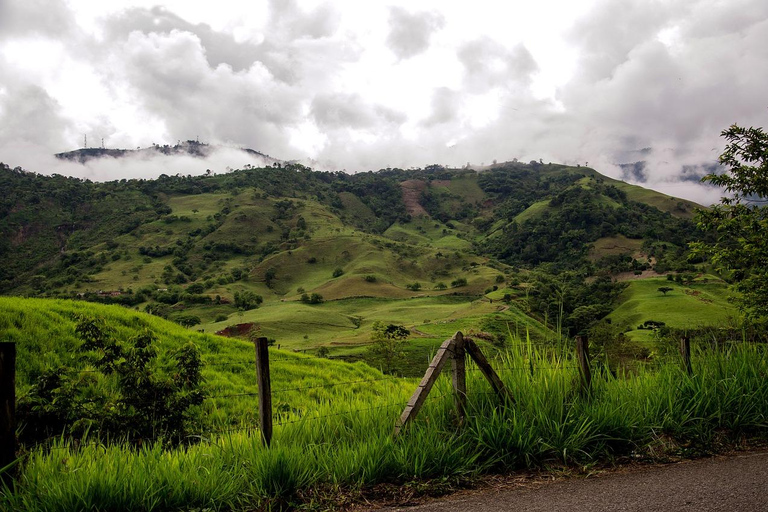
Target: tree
664, 289
388, 342
740, 222
247, 300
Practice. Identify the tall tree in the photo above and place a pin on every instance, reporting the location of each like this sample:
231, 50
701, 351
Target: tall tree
740, 221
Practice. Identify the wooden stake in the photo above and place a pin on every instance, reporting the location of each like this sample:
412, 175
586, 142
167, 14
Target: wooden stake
425, 386
7, 408
265, 389
482, 363
582, 353
685, 351
459, 377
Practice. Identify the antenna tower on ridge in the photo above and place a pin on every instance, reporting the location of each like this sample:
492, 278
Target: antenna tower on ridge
85, 141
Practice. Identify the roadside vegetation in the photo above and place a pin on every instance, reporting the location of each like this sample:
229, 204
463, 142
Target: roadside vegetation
344, 446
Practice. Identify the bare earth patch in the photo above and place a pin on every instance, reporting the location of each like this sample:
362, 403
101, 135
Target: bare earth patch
412, 190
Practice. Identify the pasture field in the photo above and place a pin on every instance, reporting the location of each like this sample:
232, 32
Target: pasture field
701, 303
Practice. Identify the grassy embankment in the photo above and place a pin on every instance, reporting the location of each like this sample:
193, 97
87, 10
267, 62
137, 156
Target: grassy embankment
346, 444
44, 331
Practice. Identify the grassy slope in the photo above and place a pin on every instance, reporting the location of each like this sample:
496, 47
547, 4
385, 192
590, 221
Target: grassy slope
614, 246
44, 331
701, 303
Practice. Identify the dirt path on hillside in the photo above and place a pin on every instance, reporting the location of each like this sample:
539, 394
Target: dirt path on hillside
724, 483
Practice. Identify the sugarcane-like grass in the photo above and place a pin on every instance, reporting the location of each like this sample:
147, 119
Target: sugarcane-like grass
350, 444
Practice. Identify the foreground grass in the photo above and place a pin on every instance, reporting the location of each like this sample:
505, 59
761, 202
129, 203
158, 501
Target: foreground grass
349, 444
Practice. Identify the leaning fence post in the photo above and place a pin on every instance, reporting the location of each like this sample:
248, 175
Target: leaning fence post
265, 389
425, 386
685, 351
459, 377
582, 353
7, 408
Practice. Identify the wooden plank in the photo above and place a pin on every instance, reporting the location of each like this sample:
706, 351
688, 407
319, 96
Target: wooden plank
425, 386
685, 352
459, 377
7, 409
582, 354
485, 368
265, 389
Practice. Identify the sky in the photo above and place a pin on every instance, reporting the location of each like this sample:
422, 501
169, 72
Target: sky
363, 85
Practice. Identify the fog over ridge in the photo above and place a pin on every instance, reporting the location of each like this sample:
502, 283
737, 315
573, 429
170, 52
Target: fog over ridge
345, 86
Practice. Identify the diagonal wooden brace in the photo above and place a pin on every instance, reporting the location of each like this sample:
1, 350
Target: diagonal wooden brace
425, 386
482, 363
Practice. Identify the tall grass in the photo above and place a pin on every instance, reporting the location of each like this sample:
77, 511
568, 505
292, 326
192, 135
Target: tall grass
349, 443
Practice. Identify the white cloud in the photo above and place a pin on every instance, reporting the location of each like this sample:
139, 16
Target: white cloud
361, 85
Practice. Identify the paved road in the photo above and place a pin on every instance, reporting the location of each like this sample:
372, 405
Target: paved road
731, 483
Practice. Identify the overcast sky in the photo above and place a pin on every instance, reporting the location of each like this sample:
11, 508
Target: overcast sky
363, 85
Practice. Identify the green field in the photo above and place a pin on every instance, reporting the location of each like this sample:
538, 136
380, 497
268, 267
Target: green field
701, 303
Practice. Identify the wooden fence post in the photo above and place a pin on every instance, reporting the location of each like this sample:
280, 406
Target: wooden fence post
7, 408
459, 377
582, 353
685, 351
265, 389
487, 370
425, 386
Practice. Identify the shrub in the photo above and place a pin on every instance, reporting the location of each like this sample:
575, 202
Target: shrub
247, 300
456, 283
370, 278
142, 401
338, 272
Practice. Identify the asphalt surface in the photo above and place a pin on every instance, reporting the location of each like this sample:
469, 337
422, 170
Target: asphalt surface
728, 483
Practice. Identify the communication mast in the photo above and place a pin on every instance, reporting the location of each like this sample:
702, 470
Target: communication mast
85, 141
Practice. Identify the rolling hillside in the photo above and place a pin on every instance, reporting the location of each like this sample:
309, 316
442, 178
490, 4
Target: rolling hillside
514, 247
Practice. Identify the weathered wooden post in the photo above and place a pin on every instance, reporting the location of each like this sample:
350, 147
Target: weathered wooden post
265, 389
459, 377
456, 348
425, 386
685, 352
488, 372
582, 353
7, 408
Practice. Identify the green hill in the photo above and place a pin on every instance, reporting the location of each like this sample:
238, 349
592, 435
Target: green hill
44, 333
246, 246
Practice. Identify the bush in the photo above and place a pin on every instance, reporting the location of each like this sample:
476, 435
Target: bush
247, 300
141, 402
338, 272
188, 320
370, 279
220, 318
315, 298
459, 282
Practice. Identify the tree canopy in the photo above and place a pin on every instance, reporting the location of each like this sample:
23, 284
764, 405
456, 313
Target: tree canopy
740, 221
